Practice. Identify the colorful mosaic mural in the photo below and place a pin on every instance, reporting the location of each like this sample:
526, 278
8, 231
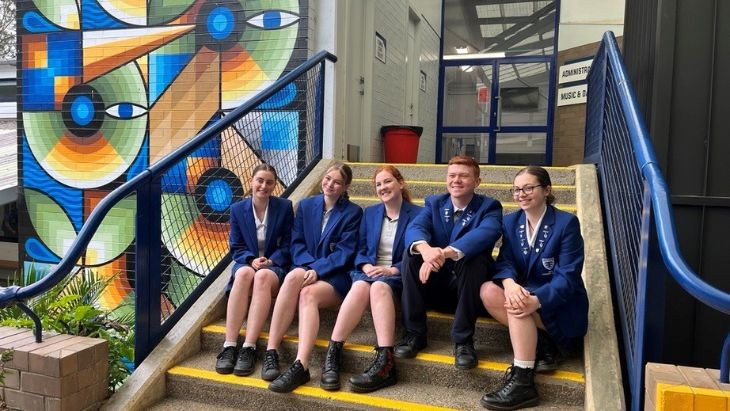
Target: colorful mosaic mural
108, 87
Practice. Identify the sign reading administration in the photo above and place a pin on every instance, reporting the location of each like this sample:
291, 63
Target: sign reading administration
576, 71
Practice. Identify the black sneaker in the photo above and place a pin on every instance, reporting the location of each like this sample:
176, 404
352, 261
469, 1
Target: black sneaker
245, 362
226, 360
295, 376
270, 369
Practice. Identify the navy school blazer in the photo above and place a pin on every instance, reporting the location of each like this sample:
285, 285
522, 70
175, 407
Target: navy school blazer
552, 269
371, 227
243, 241
331, 250
475, 233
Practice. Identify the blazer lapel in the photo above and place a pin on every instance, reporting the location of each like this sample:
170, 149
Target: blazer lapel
316, 214
250, 226
523, 243
543, 235
376, 222
271, 223
335, 216
446, 211
403, 219
466, 216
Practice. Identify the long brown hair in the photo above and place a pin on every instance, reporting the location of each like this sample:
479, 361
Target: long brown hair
345, 172
398, 176
265, 167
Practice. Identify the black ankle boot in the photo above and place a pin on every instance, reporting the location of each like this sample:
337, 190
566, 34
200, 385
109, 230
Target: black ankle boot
517, 391
330, 379
380, 374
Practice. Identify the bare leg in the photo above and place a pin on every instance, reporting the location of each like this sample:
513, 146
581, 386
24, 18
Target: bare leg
523, 334
238, 302
351, 311
286, 305
265, 285
312, 297
492, 297
383, 310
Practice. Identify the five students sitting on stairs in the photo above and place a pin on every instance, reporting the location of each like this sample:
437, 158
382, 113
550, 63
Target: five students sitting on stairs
446, 264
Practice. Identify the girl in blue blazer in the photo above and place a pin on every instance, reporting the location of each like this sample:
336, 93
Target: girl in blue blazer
537, 290
260, 239
376, 282
324, 240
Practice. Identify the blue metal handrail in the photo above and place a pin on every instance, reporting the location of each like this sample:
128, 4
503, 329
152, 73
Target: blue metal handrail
16, 295
612, 112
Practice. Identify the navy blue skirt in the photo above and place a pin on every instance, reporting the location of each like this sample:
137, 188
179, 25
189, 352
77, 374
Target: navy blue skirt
394, 282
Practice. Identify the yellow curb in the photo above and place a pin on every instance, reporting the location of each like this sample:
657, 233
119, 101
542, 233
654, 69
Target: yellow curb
571, 208
312, 392
437, 358
446, 165
558, 187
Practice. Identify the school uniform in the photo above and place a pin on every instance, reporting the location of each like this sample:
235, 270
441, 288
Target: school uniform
244, 242
371, 229
456, 285
330, 250
550, 269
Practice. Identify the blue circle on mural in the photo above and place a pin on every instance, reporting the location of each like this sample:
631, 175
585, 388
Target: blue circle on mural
219, 195
219, 26
82, 110
216, 189
220, 23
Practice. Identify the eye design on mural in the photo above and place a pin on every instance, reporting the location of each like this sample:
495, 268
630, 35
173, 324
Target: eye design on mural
219, 26
83, 110
125, 111
272, 19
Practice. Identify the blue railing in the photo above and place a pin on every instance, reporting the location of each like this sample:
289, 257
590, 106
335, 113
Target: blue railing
639, 218
182, 226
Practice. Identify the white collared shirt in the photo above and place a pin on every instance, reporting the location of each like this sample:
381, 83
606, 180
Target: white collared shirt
532, 232
261, 228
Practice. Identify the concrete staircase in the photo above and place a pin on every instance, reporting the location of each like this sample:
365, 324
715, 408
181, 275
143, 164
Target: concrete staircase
429, 381
179, 373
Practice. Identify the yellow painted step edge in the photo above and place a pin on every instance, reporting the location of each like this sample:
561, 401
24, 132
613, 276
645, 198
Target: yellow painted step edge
420, 201
557, 187
313, 392
446, 165
437, 358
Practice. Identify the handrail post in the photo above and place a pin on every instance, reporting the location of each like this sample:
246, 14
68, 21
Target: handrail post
147, 270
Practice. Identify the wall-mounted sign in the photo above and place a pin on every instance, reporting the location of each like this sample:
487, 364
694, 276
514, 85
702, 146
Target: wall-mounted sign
572, 95
422, 81
380, 47
575, 71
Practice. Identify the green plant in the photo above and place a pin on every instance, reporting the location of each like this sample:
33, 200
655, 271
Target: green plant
5, 357
72, 307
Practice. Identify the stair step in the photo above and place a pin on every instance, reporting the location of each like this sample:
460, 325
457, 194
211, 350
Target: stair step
488, 332
179, 404
437, 172
564, 194
364, 201
195, 380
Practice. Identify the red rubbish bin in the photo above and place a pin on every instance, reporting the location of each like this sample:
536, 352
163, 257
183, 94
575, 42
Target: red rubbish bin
400, 143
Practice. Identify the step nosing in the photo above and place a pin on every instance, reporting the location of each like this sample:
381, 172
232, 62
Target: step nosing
483, 185
312, 392
423, 356
481, 166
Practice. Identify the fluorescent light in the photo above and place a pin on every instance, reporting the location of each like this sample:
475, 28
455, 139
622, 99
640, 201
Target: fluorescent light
467, 69
461, 49
474, 56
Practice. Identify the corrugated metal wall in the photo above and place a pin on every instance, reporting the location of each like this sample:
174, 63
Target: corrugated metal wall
678, 56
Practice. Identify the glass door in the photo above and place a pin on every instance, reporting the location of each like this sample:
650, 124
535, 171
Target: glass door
498, 111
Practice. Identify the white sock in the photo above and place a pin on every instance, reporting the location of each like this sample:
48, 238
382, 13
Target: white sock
524, 364
230, 344
246, 345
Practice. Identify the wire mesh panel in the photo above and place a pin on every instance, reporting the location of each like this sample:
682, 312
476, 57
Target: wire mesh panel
197, 193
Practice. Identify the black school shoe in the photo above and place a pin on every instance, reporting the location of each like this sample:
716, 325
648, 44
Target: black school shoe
226, 359
517, 391
465, 356
270, 369
245, 362
548, 353
410, 346
295, 376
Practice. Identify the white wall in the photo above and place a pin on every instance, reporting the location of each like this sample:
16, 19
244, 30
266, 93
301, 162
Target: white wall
585, 21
